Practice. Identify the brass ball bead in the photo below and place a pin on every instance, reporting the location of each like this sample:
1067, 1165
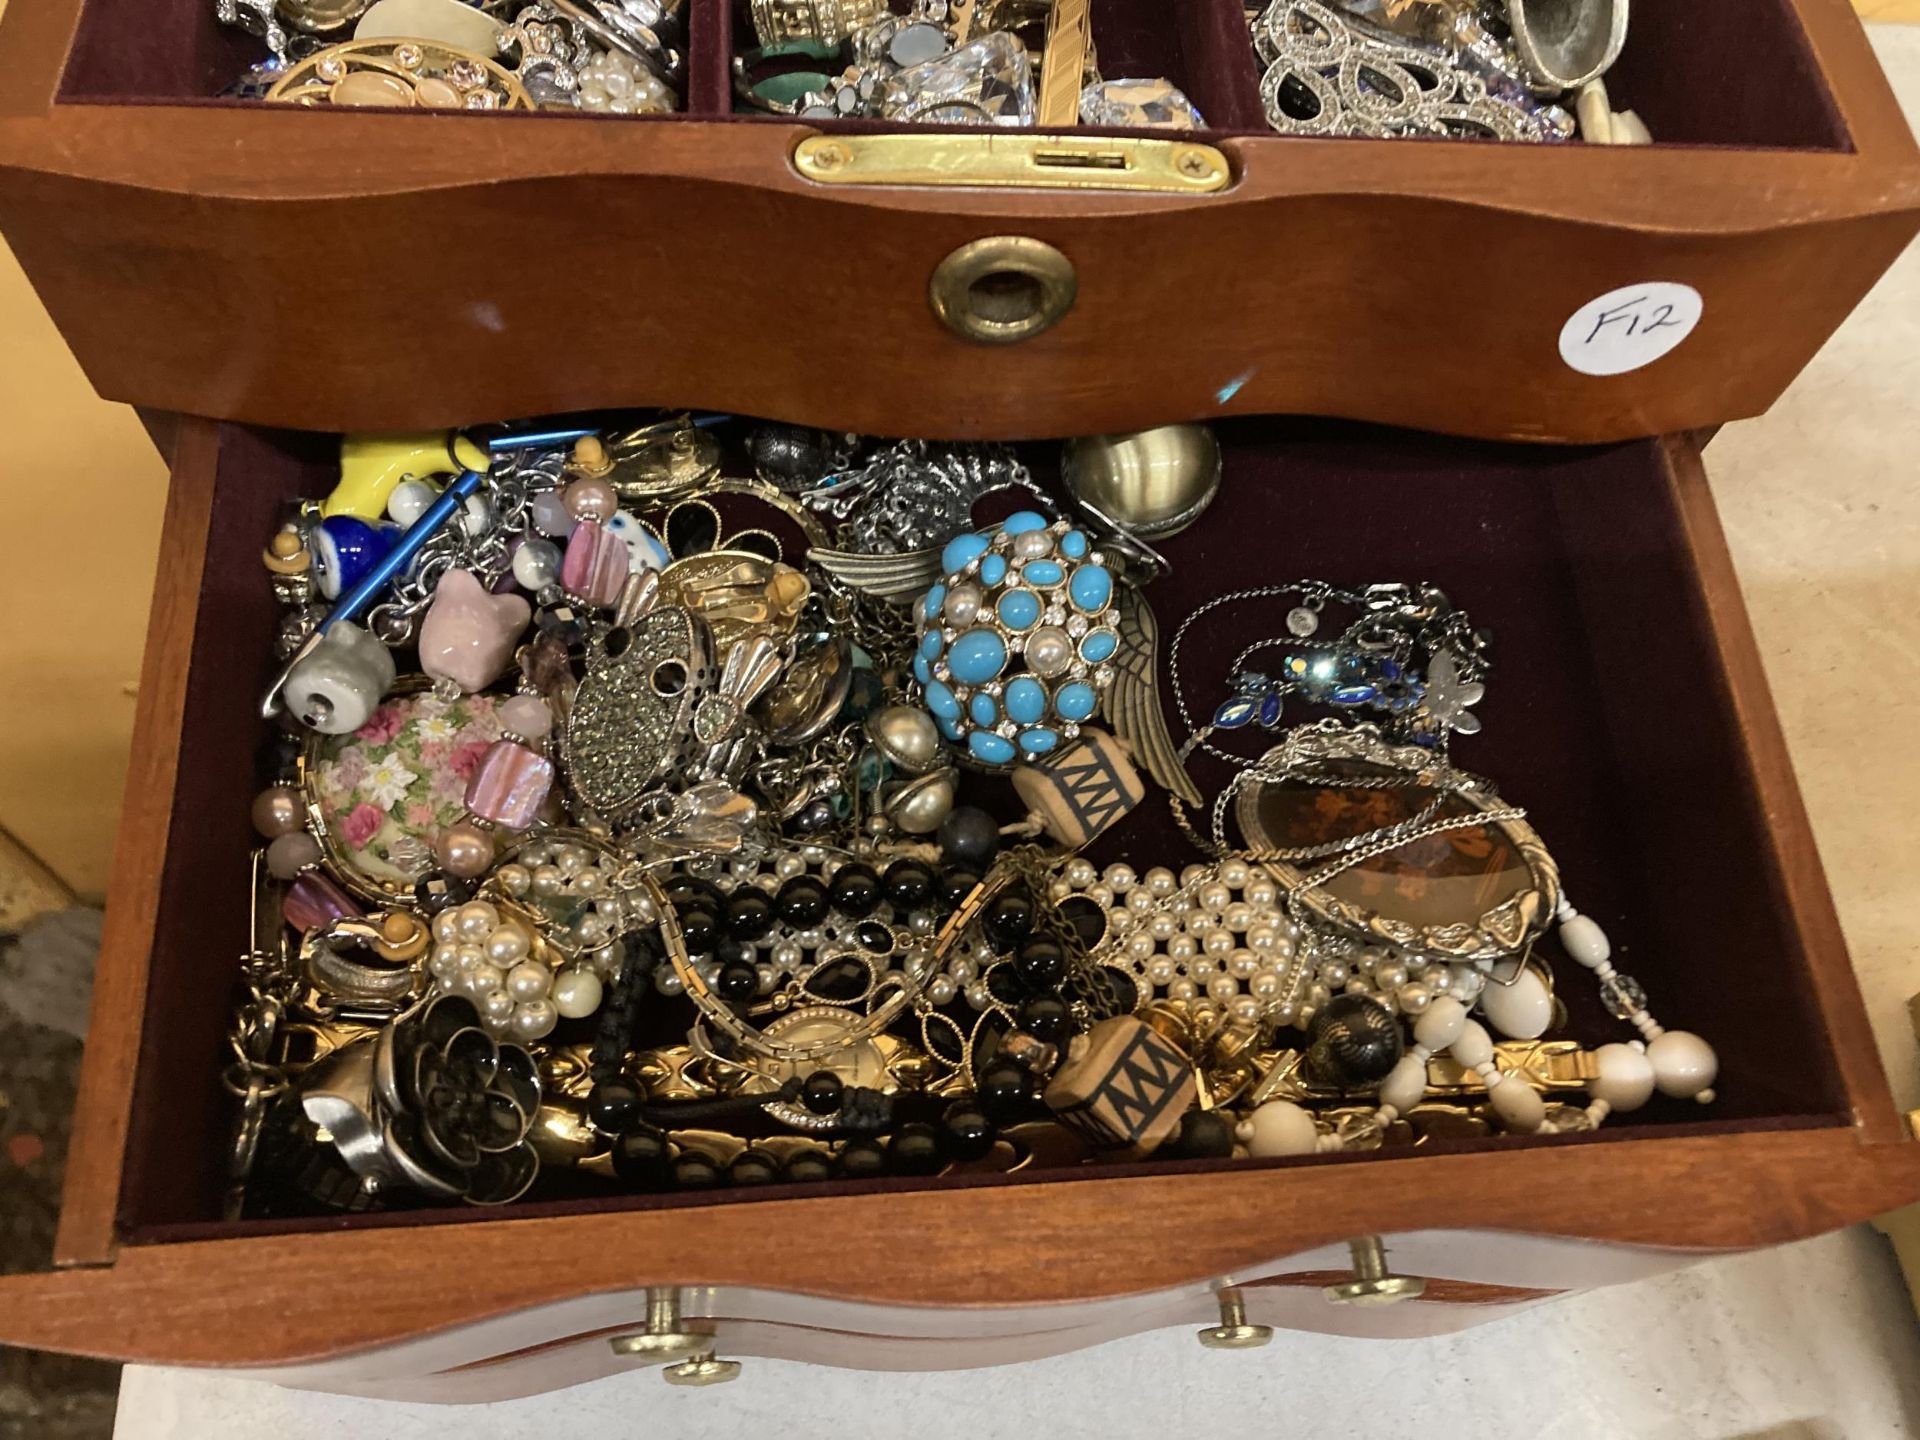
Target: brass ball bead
278, 811
464, 850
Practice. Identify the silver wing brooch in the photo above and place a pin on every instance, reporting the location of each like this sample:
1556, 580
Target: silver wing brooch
1133, 700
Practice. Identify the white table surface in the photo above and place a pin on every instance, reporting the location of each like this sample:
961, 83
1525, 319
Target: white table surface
1817, 1341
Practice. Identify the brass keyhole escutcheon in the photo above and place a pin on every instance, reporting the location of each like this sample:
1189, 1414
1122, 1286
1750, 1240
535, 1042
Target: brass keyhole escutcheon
1003, 289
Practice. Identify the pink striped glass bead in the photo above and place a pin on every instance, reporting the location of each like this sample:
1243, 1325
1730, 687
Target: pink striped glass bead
597, 564
510, 784
314, 901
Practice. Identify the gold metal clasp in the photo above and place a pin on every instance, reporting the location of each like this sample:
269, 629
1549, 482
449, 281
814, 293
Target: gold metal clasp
1035, 162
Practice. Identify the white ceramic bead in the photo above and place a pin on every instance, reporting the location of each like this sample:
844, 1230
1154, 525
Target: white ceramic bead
1583, 939
1683, 1064
1441, 1025
1473, 1046
1405, 1084
1280, 1127
1520, 1011
1519, 1106
1625, 1079
576, 992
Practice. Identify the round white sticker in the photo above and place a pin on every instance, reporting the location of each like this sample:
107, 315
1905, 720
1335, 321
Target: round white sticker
1630, 327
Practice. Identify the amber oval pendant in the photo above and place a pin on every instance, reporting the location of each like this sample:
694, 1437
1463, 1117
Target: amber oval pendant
1469, 891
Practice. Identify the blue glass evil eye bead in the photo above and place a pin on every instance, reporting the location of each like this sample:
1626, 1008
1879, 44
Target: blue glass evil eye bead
1091, 587
1073, 544
1026, 700
1098, 646
1039, 740
960, 550
993, 569
930, 644
1020, 609
977, 656
989, 747
1043, 573
942, 701
1022, 521
984, 709
1075, 702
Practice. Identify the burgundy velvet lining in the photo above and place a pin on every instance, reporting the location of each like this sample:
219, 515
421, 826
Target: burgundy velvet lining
1608, 717
1699, 74
1710, 72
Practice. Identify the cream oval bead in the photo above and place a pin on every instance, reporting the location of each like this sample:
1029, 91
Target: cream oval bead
1441, 1025
1624, 1077
1683, 1064
1583, 939
1521, 1010
576, 992
1279, 1127
1519, 1106
1472, 1046
1405, 1084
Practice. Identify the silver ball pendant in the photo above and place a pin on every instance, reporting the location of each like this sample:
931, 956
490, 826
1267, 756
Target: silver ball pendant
919, 806
907, 737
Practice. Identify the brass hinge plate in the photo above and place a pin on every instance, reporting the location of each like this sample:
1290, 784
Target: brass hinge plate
1029, 162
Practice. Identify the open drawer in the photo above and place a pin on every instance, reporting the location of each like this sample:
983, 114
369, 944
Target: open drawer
1630, 716
289, 267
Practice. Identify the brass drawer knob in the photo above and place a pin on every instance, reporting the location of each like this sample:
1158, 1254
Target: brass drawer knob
1371, 1283
704, 1371
687, 1354
1233, 1332
1003, 289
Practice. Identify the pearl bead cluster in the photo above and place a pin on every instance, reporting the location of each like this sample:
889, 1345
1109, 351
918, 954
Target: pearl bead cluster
1214, 934
490, 959
578, 890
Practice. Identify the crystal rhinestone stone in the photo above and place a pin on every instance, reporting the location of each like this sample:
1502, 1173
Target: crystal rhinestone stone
1623, 996
988, 81
1138, 105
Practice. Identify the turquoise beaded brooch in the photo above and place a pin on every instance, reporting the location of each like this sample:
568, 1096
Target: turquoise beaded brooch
1016, 638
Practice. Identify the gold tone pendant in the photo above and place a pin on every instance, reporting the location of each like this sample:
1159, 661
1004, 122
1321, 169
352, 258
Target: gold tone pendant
400, 75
